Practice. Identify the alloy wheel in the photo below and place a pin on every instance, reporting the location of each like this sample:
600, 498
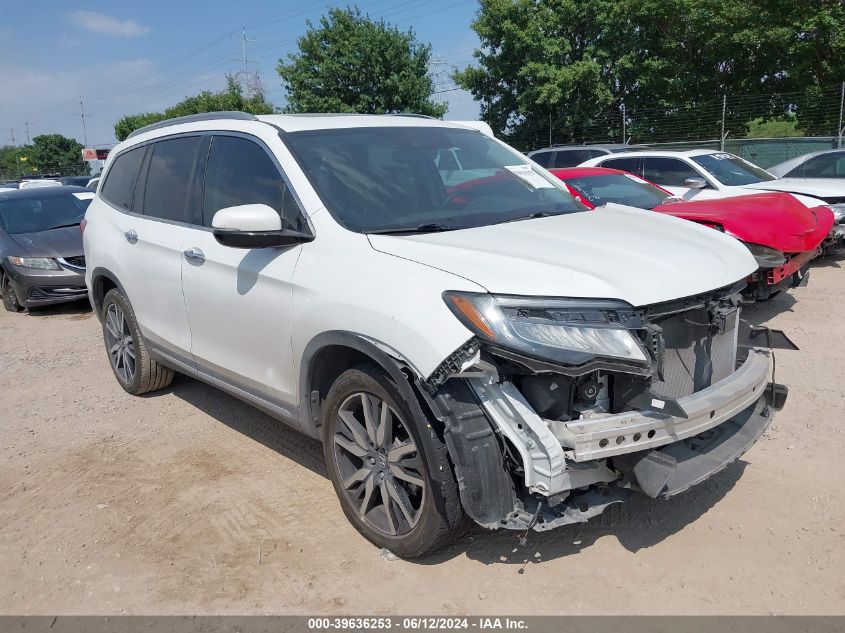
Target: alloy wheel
379, 464
119, 343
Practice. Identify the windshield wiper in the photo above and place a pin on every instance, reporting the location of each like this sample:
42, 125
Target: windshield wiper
62, 226
532, 216
422, 228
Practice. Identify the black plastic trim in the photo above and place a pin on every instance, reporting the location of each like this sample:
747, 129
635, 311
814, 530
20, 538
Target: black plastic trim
193, 118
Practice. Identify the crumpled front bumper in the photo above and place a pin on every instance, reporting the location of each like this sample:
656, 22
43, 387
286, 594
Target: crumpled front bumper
611, 435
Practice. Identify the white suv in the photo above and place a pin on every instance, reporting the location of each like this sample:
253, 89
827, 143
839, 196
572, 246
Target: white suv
489, 349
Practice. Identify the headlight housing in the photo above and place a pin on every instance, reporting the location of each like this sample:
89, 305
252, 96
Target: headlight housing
766, 257
838, 212
567, 331
44, 263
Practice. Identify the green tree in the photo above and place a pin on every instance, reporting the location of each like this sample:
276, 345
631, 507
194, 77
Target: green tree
350, 63
569, 65
56, 154
232, 98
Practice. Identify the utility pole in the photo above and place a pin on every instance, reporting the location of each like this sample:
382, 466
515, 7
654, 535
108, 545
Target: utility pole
12, 130
724, 109
82, 112
27, 132
624, 128
247, 82
841, 107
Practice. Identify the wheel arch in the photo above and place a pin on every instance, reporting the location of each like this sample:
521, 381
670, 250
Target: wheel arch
103, 280
329, 354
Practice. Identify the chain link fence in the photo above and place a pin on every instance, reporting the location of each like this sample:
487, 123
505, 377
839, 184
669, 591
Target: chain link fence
765, 129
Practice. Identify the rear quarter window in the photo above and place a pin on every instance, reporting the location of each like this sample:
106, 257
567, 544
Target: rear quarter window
120, 181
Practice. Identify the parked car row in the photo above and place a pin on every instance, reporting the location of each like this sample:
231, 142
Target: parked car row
471, 336
28, 183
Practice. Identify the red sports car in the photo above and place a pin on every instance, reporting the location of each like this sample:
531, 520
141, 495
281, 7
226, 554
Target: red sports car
781, 233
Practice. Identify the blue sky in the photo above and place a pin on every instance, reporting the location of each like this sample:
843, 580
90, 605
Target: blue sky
123, 57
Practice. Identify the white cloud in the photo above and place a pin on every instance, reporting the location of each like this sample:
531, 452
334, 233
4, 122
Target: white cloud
100, 23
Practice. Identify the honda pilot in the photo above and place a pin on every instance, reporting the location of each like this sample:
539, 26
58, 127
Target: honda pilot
466, 340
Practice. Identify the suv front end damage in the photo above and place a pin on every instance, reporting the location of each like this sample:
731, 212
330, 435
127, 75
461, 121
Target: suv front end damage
559, 408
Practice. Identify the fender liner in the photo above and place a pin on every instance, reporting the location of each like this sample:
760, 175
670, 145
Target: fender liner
104, 272
310, 408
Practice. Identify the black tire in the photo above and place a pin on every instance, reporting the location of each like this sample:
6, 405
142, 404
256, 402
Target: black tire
146, 375
439, 518
10, 298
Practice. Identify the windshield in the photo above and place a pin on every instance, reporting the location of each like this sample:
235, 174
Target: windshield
396, 179
732, 170
618, 188
31, 215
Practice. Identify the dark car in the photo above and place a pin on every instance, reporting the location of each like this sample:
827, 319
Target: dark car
572, 155
41, 257
76, 181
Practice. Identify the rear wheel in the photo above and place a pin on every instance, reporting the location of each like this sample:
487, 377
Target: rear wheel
136, 372
389, 469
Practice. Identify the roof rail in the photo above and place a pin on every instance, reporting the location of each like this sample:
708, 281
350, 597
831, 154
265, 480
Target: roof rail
411, 114
191, 118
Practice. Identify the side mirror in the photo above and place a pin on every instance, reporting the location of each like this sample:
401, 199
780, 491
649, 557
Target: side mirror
695, 183
253, 226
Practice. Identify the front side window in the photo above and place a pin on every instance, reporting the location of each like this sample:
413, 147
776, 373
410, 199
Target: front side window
670, 172
171, 191
825, 166
618, 188
120, 180
32, 215
732, 170
240, 172
387, 179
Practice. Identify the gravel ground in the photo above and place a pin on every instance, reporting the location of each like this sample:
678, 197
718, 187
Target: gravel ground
188, 501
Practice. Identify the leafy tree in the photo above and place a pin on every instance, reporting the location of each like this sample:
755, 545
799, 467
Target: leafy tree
47, 154
349, 63
565, 67
775, 128
232, 98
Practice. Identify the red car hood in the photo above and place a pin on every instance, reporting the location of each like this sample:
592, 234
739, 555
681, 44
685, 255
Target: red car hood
775, 220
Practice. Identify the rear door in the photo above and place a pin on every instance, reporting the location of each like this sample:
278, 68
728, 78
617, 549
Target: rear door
166, 202
239, 300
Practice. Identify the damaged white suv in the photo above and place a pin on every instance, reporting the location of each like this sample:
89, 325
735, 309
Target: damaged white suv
465, 338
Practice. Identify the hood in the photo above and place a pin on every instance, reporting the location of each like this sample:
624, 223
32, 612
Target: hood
775, 220
828, 189
616, 253
64, 242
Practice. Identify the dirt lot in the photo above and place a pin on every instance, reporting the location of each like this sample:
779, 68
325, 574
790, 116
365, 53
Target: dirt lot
188, 501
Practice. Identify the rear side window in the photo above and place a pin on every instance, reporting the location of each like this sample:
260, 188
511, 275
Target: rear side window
632, 165
544, 159
120, 182
239, 172
171, 191
668, 171
573, 157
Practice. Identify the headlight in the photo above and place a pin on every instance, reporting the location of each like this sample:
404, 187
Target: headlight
569, 331
44, 263
766, 257
838, 212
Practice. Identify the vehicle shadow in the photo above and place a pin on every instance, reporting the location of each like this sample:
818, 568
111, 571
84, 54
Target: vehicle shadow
249, 421
76, 309
762, 312
638, 524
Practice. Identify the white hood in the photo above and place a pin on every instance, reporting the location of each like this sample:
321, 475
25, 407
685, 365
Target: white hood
616, 252
823, 188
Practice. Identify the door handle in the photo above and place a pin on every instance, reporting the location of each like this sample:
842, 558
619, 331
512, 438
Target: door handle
194, 255
131, 236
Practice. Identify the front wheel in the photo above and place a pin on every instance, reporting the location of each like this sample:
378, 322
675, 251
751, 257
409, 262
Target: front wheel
136, 372
389, 469
10, 298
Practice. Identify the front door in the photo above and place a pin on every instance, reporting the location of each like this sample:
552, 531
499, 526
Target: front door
239, 300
